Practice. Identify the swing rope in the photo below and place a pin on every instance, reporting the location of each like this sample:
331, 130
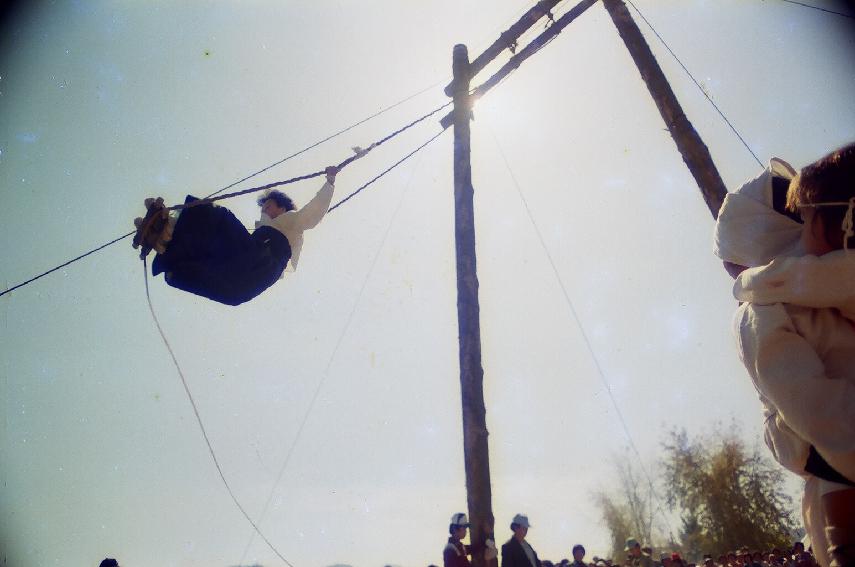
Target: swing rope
199, 420
358, 153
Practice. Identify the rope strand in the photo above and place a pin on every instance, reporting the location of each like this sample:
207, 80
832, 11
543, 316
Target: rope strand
818, 8
327, 139
578, 321
697, 84
199, 419
340, 166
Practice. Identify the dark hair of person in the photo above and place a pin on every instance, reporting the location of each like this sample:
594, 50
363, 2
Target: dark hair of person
109, 562
830, 179
514, 526
280, 198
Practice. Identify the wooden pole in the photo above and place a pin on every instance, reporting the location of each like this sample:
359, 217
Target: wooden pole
689, 143
508, 38
536, 45
475, 453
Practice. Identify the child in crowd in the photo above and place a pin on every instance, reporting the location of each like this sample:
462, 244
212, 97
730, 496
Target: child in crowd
796, 335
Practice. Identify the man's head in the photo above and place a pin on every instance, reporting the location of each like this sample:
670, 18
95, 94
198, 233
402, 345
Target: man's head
633, 548
275, 203
520, 525
457, 526
109, 562
578, 552
814, 191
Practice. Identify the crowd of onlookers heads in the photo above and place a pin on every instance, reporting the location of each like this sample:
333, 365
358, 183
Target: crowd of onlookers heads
518, 552
638, 555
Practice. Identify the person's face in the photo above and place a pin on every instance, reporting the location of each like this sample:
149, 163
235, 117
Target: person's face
579, 554
460, 532
635, 551
813, 233
271, 208
521, 532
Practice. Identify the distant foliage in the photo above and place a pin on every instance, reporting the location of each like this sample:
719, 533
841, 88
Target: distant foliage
729, 496
630, 512
725, 495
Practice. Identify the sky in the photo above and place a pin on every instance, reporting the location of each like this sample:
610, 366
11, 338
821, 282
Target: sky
352, 360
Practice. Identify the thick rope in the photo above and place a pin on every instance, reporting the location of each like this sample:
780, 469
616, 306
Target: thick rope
34, 278
199, 420
327, 139
358, 154
387, 170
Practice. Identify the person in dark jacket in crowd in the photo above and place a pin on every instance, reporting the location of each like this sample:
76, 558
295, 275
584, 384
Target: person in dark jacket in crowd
517, 552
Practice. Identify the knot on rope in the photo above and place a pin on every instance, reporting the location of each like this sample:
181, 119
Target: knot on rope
360, 152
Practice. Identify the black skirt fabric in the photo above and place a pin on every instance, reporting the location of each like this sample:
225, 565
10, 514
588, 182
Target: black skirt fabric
213, 255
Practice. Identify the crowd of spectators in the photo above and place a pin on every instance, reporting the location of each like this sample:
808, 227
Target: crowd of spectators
518, 552
644, 556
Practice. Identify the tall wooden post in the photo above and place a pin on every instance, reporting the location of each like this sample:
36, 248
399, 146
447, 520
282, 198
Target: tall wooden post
475, 454
689, 143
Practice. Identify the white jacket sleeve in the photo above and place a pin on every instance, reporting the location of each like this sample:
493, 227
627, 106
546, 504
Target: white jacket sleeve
311, 214
790, 450
788, 372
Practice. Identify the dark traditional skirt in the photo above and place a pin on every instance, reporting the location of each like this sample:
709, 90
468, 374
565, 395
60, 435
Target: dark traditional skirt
213, 255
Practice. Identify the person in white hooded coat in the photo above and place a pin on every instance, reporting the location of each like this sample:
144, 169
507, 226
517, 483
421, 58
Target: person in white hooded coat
794, 338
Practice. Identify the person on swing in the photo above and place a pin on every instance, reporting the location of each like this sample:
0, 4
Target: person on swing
210, 253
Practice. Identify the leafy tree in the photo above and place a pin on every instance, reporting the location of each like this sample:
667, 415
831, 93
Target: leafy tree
630, 511
725, 495
616, 518
729, 496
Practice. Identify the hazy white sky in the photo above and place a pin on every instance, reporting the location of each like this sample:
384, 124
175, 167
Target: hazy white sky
105, 103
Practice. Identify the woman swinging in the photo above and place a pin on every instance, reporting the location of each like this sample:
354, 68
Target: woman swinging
210, 253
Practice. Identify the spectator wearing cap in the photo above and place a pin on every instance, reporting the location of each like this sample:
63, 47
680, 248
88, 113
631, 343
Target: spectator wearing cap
579, 556
636, 557
454, 554
517, 552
